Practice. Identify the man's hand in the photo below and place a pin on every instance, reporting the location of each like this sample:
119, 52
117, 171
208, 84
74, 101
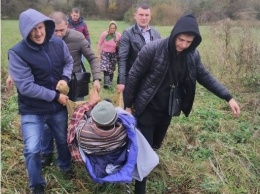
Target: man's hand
96, 85
63, 99
94, 96
62, 87
129, 110
235, 107
120, 88
9, 82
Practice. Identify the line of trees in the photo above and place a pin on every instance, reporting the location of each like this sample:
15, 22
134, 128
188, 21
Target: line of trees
165, 12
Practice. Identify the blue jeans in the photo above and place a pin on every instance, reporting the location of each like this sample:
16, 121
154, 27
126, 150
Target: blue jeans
47, 145
32, 130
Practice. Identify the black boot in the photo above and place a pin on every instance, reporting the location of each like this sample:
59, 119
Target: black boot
111, 77
140, 186
46, 159
106, 80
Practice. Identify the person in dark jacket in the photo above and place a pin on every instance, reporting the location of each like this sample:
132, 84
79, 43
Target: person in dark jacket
76, 22
162, 81
38, 64
132, 41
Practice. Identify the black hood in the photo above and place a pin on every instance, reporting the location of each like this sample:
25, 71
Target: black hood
186, 23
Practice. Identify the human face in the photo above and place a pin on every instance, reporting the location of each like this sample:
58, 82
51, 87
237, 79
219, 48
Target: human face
38, 33
75, 16
183, 42
112, 28
142, 17
61, 29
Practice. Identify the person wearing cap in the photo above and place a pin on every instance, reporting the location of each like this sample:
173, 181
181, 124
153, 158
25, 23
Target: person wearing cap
101, 129
162, 82
107, 49
103, 137
38, 64
106, 141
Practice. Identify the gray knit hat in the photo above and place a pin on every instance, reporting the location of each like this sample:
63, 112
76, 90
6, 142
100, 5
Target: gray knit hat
104, 114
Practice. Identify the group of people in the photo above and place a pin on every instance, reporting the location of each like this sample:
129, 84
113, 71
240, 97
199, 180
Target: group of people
156, 76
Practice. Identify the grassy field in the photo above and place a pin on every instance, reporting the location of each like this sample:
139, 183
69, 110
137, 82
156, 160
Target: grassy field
209, 152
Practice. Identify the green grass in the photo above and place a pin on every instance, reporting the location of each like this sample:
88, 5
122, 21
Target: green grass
208, 152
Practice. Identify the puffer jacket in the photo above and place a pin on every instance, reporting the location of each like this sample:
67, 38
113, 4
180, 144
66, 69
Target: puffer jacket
152, 63
132, 41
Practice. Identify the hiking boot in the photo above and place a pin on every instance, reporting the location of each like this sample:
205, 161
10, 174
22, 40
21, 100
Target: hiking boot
46, 159
38, 189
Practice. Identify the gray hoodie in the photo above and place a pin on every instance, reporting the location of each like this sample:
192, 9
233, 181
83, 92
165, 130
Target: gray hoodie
36, 69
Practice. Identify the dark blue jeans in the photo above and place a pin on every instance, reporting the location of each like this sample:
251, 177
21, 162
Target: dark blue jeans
48, 139
32, 127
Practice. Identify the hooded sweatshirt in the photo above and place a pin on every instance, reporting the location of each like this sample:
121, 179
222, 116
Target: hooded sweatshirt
149, 78
177, 64
37, 68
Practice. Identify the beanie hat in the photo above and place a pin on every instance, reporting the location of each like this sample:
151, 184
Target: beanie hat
104, 114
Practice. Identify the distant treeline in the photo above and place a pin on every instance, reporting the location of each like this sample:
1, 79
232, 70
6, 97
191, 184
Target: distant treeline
164, 12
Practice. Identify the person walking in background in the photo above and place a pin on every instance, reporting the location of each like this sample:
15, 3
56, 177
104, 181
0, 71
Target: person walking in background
162, 82
132, 41
38, 64
107, 49
77, 46
76, 22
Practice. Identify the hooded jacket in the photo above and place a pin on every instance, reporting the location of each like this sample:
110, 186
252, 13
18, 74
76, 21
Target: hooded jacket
150, 72
36, 69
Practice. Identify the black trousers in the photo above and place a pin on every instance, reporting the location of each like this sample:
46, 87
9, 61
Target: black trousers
153, 126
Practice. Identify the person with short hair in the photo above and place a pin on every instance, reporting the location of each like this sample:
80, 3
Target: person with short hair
132, 41
76, 22
38, 64
77, 46
162, 82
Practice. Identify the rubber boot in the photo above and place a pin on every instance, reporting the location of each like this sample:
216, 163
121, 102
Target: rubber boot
111, 77
106, 80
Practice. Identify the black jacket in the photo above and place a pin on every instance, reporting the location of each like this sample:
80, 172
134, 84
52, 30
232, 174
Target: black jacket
130, 44
159, 67
149, 70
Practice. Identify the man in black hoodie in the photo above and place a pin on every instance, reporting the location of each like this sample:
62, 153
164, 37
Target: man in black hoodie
162, 82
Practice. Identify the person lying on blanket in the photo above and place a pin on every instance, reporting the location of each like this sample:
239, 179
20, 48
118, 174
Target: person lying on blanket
102, 136
98, 134
105, 140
